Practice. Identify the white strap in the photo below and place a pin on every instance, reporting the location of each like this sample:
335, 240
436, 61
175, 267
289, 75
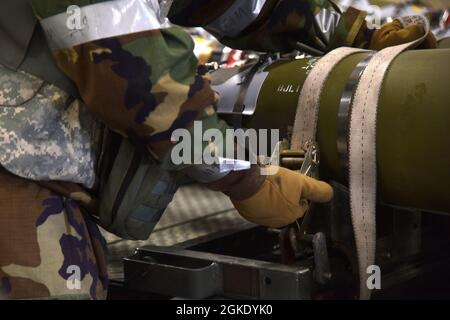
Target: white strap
362, 149
308, 103
362, 136
104, 20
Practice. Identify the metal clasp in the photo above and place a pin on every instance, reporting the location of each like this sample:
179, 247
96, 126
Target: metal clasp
311, 162
310, 168
305, 160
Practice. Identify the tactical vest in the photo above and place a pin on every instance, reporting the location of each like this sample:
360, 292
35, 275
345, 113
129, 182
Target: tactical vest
134, 190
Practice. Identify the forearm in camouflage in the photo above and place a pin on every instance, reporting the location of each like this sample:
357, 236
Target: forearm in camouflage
280, 25
44, 239
143, 85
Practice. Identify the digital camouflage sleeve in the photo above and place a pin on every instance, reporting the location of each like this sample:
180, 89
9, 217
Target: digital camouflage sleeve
50, 248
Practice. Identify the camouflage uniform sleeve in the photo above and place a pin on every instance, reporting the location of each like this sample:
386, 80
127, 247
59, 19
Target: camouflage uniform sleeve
143, 85
274, 25
49, 247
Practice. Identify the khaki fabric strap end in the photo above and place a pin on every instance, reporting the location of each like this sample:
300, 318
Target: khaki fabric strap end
354, 30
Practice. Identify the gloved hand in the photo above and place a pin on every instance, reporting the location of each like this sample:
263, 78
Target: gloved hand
282, 198
393, 33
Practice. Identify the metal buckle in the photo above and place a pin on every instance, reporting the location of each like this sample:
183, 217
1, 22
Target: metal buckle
306, 160
309, 168
311, 162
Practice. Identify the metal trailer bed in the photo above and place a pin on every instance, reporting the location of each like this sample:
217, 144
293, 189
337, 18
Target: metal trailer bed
203, 250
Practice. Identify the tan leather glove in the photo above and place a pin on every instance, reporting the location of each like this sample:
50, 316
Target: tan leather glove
393, 33
282, 198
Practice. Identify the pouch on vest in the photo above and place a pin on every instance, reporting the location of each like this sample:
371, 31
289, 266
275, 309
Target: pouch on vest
135, 191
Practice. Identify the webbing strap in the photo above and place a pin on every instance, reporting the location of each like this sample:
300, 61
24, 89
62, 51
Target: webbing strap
362, 152
307, 114
362, 136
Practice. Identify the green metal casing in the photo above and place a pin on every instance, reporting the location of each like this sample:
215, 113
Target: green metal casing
413, 124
